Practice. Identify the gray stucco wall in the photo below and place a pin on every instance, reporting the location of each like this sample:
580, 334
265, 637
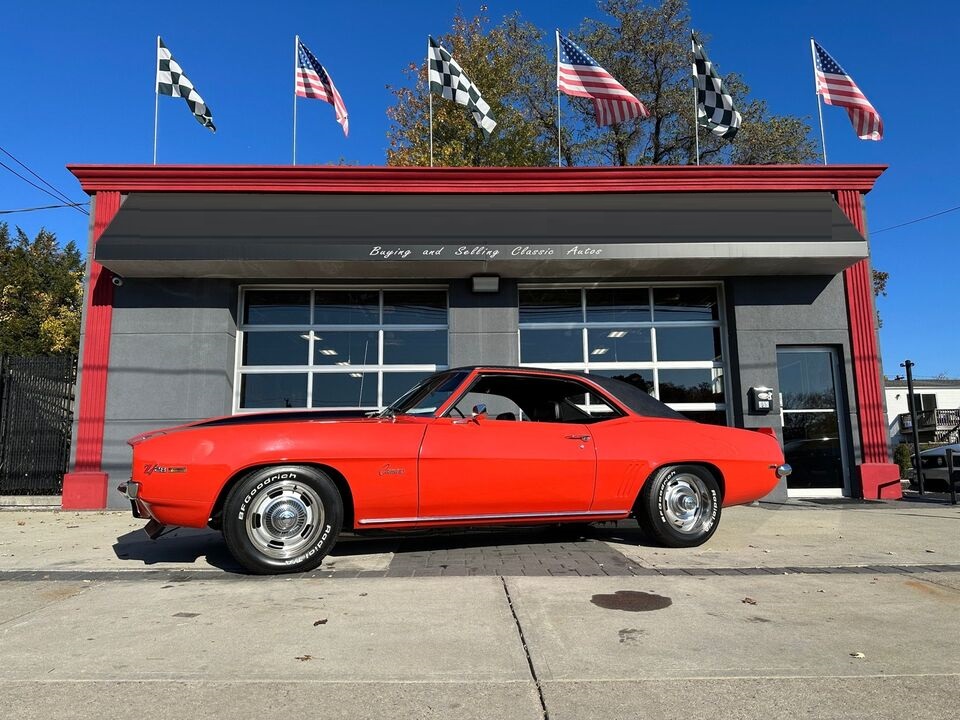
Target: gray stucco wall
171, 361
483, 326
764, 313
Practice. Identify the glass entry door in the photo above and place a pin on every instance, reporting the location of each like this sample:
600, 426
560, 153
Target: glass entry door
814, 423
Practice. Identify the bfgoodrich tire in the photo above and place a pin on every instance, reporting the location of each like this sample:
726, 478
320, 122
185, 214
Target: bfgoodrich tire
282, 519
680, 505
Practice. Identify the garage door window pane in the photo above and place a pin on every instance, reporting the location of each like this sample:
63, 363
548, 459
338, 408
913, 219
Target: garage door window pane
691, 386
274, 390
618, 305
686, 303
641, 379
414, 347
276, 348
619, 345
346, 307
688, 343
344, 390
277, 307
414, 307
551, 346
550, 306
332, 347
396, 384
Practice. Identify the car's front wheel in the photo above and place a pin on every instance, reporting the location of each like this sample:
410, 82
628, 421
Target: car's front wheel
680, 505
282, 519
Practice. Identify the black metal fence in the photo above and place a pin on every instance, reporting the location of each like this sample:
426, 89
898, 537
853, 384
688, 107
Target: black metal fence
36, 411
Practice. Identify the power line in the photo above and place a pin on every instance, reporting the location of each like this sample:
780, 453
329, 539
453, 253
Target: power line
21, 164
41, 207
60, 196
911, 222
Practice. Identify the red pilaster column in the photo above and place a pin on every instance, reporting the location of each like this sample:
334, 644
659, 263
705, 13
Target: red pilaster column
879, 478
86, 487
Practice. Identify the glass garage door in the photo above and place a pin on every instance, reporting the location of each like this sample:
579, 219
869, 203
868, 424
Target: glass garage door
336, 348
666, 340
814, 435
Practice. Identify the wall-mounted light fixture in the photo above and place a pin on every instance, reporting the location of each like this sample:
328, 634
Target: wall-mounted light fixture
486, 283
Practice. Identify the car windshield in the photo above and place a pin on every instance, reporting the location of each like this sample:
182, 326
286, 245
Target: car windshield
427, 397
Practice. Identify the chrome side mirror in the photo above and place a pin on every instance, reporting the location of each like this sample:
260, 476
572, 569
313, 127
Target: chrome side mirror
479, 412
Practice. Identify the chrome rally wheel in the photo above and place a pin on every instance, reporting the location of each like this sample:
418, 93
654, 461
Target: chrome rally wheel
285, 521
680, 505
282, 519
685, 502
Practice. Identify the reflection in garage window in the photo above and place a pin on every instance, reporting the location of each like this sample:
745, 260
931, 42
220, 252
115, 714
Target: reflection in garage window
665, 340
341, 348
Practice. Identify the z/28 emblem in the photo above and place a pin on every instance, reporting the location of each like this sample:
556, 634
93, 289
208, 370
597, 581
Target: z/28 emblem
152, 468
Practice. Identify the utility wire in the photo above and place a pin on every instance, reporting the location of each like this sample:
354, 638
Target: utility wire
911, 222
29, 170
74, 205
41, 207
77, 206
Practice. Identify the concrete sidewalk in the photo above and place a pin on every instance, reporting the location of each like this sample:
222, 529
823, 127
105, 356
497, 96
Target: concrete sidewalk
837, 611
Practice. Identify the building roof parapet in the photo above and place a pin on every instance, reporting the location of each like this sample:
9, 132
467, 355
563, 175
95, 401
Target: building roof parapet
398, 180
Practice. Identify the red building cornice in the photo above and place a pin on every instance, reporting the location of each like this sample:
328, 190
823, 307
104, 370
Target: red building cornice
327, 179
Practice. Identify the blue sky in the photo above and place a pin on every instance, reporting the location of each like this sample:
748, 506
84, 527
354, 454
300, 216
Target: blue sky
81, 90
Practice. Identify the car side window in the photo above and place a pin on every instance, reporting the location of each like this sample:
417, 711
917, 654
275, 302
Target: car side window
498, 406
537, 399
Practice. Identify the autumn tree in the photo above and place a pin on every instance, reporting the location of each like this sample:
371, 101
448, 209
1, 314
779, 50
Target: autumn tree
645, 46
41, 292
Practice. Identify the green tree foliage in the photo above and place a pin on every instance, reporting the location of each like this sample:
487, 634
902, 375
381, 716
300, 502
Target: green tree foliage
41, 293
646, 46
490, 57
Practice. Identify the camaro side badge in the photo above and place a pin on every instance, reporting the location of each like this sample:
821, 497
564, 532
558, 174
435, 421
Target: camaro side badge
388, 470
150, 469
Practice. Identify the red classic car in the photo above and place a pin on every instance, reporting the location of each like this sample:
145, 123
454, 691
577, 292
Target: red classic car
469, 446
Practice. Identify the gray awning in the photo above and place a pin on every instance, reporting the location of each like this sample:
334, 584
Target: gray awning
442, 236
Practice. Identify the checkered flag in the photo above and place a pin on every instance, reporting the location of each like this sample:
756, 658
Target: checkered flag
715, 109
448, 80
171, 81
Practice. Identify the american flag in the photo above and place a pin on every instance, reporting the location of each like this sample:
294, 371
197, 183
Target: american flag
314, 82
838, 88
580, 75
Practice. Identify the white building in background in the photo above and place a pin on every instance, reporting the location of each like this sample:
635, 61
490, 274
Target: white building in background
938, 410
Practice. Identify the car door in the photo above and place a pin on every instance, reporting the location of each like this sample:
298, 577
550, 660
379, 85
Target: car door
508, 461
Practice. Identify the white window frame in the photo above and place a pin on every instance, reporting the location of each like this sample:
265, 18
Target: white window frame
312, 329
654, 365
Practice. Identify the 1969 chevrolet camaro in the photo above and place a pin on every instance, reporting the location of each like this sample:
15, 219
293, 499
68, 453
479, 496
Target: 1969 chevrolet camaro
469, 446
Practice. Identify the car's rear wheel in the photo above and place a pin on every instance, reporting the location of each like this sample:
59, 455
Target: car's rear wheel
282, 519
680, 505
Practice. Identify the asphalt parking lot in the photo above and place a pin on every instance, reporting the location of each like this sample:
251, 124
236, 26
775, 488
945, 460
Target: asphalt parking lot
803, 609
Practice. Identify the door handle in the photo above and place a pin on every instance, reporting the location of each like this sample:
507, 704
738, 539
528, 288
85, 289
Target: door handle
581, 438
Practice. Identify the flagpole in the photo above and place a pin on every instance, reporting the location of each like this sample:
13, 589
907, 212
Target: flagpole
823, 137
696, 128
430, 100
559, 151
296, 48
156, 100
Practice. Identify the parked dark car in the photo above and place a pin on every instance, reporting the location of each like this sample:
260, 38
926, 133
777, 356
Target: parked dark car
934, 464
